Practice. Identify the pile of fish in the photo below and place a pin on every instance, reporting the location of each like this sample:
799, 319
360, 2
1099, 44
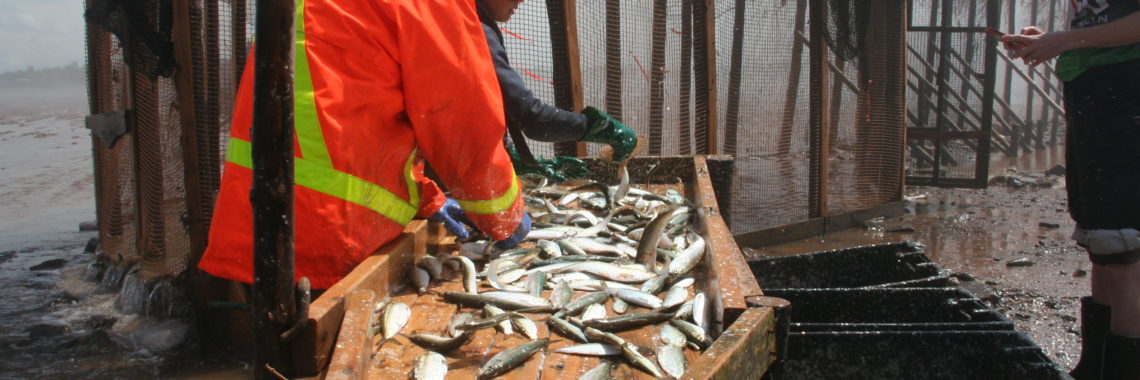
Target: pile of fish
620, 244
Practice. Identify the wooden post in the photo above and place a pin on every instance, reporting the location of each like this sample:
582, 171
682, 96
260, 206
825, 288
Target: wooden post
613, 58
817, 186
704, 11
947, 13
993, 19
732, 109
657, 78
567, 72
1028, 128
931, 46
272, 192
972, 19
1011, 19
184, 85
683, 110
784, 142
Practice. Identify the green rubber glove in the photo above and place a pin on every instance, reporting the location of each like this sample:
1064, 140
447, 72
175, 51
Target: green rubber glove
605, 129
557, 169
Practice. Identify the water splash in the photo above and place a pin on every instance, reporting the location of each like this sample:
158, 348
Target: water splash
133, 295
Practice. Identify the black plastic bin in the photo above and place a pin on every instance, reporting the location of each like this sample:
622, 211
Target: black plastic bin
898, 309
874, 266
925, 355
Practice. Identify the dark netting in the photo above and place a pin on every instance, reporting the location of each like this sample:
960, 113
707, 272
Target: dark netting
866, 114
847, 24
528, 39
763, 89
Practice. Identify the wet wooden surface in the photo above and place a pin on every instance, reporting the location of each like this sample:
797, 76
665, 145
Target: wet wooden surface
722, 275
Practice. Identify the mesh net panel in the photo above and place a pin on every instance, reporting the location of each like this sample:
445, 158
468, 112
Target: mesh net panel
772, 126
527, 37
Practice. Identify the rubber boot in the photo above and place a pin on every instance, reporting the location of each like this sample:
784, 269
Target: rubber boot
1094, 328
1121, 358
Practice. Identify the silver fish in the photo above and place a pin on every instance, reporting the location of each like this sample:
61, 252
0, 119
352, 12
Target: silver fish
626, 322
569, 248
595, 311
527, 326
503, 326
631, 353
595, 335
493, 278
535, 282
688, 258
439, 343
431, 265
685, 311
655, 285
470, 283
420, 279
510, 358
675, 297
566, 329
647, 247
561, 294
672, 359
430, 366
601, 372
620, 306
505, 300
636, 297
701, 311
591, 349
396, 315
577, 305
694, 332
457, 320
671, 335
549, 249
612, 272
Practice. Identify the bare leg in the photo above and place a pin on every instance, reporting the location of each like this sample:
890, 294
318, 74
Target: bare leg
1103, 281
1125, 298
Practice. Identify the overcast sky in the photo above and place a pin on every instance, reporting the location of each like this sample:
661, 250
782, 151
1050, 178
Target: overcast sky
42, 33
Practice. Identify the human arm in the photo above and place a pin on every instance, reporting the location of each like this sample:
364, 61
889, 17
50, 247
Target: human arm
1035, 46
456, 111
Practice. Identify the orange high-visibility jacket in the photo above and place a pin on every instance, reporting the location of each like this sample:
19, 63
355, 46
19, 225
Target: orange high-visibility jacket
381, 86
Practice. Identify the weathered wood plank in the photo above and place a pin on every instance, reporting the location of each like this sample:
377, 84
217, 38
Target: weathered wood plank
387, 266
744, 351
729, 278
353, 349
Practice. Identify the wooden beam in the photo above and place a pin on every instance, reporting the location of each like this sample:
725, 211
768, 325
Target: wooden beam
389, 265
733, 278
184, 87
569, 8
735, 68
706, 78
351, 358
746, 350
820, 117
657, 78
791, 94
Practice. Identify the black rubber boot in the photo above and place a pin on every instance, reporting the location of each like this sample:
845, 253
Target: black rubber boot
1094, 329
1121, 358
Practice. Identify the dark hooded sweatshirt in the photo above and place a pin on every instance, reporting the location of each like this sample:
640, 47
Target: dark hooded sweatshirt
537, 120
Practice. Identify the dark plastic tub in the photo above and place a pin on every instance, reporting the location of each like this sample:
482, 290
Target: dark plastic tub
925, 355
873, 266
905, 309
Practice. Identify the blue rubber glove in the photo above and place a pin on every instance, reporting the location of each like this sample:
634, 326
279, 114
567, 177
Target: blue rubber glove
520, 233
453, 219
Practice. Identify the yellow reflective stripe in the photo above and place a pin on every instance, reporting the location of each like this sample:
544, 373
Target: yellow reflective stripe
410, 178
491, 206
338, 184
308, 127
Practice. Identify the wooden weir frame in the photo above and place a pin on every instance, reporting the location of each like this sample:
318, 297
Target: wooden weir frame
749, 320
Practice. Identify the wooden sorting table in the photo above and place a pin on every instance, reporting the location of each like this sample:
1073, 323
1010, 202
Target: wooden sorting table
336, 344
